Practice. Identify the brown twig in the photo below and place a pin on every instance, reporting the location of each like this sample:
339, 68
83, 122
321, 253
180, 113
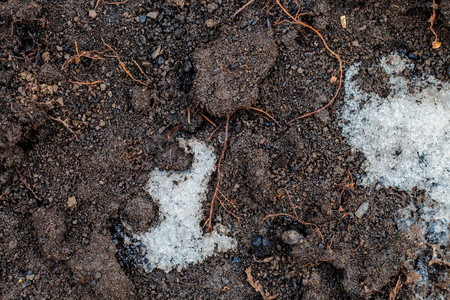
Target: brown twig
211, 209
296, 20
24, 182
242, 8
223, 205
434, 259
257, 286
140, 69
436, 44
398, 286
88, 54
65, 125
214, 124
265, 113
122, 64
85, 83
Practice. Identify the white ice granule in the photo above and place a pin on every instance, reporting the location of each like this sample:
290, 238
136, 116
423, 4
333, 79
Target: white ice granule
179, 240
405, 137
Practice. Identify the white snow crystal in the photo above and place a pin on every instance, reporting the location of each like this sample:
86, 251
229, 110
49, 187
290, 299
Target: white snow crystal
179, 240
405, 137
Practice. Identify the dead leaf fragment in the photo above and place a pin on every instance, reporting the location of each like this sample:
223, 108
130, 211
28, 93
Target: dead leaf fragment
257, 286
333, 79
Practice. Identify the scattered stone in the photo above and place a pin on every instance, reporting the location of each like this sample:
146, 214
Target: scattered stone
291, 237
46, 56
212, 7
230, 69
362, 210
157, 52
355, 43
71, 202
211, 23
92, 14
29, 277
102, 87
152, 14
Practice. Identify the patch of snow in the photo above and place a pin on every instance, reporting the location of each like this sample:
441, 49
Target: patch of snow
405, 137
179, 240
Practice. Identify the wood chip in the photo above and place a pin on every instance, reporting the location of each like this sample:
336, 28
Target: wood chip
343, 22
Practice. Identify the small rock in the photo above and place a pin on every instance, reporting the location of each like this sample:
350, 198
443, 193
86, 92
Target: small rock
102, 87
60, 101
152, 14
59, 48
175, 3
30, 277
362, 210
355, 43
71, 202
157, 52
211, 23
291, 237
92, 14
212, 7
46, 56
142, 18
261, 246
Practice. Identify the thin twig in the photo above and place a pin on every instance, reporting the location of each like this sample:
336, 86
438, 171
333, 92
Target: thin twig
85, 83
122, 64
65, 125
211, 209
297, 21
24, 182
436, 44
242, 8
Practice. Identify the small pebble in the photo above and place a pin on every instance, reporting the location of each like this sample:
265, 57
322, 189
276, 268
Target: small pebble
92, 14
152, 14
362, 210
291, 237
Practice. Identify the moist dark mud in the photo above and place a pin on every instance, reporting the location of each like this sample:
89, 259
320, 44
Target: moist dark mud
76, 155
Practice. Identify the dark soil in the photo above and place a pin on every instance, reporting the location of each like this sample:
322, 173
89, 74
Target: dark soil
74, 158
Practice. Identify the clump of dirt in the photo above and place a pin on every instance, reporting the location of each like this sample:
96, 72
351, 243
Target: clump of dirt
50, 229
230, 69
96, 264
138, 214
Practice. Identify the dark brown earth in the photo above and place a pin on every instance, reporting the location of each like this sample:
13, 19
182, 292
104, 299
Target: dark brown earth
74, 158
